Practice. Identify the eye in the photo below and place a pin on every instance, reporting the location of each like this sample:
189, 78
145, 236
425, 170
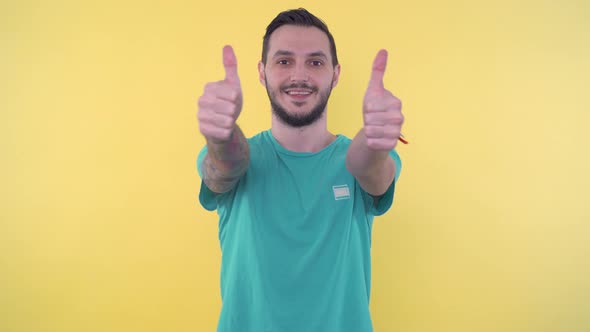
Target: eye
283, 62
316, 63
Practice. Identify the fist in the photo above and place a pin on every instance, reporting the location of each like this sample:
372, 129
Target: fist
221, 102
382, 111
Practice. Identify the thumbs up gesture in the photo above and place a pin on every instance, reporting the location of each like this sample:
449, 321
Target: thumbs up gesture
221, 102
382, 116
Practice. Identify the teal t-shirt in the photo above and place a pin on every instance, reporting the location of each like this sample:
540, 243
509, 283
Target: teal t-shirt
295, 235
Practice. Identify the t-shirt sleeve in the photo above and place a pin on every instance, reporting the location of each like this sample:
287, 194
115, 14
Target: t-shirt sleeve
380, 205
207, 198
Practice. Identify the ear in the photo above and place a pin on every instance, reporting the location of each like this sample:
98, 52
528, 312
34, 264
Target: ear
336, 76
261, 74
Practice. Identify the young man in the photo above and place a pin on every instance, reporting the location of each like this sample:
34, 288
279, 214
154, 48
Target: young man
296, 203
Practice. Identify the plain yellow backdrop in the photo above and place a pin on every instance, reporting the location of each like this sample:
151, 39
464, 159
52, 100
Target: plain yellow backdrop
100, 228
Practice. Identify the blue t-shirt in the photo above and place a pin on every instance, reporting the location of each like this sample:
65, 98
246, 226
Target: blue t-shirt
295, 235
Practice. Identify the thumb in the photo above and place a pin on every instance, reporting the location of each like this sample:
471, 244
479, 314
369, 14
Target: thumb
378, 71
230, 63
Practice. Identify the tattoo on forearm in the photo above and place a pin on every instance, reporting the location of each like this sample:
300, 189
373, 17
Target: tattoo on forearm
226, 162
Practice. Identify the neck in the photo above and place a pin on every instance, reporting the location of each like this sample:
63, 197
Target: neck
310, 138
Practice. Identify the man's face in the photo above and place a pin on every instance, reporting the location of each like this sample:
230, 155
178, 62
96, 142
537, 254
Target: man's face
299, 74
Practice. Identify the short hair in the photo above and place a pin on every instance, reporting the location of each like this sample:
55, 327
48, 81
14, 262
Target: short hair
298, 17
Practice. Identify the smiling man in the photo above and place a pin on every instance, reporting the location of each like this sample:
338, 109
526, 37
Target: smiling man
296, 203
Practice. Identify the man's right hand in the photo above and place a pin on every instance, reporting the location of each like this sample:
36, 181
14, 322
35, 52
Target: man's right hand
221, 102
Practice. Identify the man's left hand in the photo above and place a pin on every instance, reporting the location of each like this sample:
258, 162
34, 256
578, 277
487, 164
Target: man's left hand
382, 114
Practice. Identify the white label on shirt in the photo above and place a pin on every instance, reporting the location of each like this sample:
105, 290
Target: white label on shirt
341, 192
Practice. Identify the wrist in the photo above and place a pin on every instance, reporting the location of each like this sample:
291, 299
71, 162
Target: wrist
219, 141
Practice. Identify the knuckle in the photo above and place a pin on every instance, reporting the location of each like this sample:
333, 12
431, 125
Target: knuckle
398, 119
204, 125
201, 114
209, 87
203, 101
227, 122
225, 109
204, 111
234, 95
370, 131
396, 102
212, 88
204, 130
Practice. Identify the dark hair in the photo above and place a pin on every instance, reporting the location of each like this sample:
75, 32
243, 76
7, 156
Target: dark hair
299, 17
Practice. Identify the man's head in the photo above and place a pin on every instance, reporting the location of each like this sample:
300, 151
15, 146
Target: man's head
299, 67
298, 17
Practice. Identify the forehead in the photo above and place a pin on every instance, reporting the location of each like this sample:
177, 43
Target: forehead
298, 39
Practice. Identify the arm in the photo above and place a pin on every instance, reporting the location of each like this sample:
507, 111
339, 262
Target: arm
228, 154
226, 162
374, 170
368, 158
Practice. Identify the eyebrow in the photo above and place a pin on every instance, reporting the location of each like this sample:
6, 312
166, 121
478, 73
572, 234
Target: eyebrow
289, 53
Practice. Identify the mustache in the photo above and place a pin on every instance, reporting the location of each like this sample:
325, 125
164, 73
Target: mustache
299, 86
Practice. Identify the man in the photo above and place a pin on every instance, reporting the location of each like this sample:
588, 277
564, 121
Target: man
296, 203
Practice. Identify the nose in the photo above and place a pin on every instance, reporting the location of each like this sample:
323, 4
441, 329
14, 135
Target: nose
299, 73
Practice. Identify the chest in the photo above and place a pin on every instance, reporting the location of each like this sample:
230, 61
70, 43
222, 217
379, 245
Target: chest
319, 182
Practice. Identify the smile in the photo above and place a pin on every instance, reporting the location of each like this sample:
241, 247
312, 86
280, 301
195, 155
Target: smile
298, 92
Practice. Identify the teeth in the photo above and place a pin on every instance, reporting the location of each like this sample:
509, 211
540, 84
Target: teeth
298, 92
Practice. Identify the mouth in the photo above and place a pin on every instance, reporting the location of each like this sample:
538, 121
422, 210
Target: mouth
299, 93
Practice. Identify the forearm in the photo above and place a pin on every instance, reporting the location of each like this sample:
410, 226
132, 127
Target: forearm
374, 170
226, 162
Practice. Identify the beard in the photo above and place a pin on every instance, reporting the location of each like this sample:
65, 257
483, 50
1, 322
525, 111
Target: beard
298, 120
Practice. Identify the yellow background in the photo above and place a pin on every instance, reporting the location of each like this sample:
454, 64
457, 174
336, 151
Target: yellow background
100, 229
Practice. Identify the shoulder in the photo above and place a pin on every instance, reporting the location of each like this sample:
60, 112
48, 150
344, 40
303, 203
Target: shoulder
260, 139
342, 143
261, 148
